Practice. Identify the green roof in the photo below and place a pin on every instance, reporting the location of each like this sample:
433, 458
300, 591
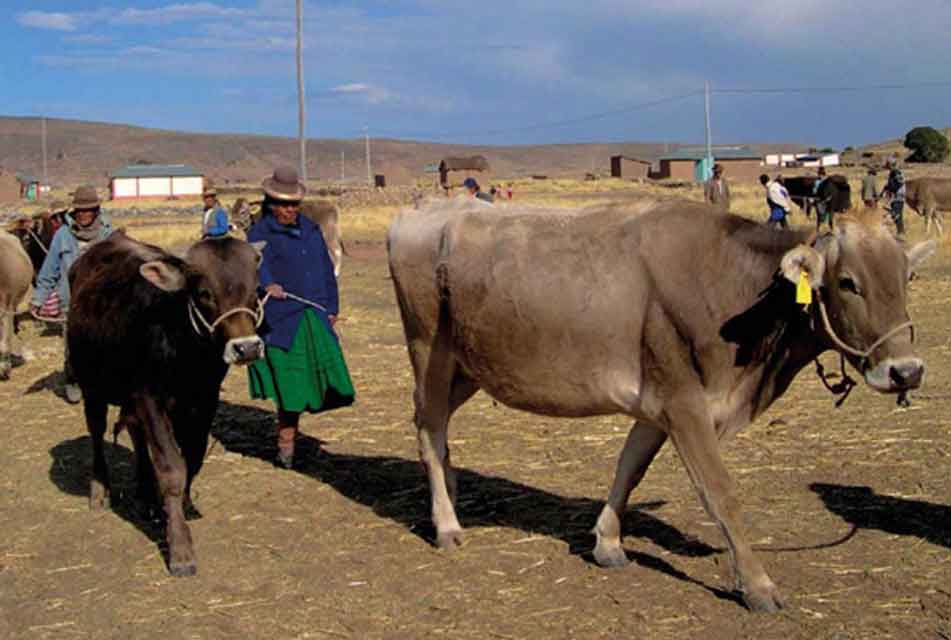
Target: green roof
156, 171
721, 153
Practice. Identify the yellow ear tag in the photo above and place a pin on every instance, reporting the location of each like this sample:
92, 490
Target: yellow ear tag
803, 289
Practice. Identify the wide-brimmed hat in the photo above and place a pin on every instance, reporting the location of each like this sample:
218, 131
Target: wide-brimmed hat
58, 206
284, 185
209, 189
85, 197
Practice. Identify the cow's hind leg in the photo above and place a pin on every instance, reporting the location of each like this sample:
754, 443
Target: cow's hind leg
6, 337
643, 443
695, 437
171, 478
437, 396
99, 486
144, 474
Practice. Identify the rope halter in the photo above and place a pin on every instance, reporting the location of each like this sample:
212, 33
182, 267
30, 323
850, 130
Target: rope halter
196, 317
863, 355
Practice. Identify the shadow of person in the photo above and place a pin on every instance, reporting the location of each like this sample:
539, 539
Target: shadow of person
863, 508
71, 468
395, 488
51, 381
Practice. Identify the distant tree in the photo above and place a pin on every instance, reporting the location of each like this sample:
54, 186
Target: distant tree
848, 149
828, 150
927, 145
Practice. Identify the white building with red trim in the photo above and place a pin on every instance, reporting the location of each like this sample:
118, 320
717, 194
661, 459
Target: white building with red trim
156, 181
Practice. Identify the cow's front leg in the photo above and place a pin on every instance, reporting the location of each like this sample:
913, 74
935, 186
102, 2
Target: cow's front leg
171, 477
694, 435
643, 443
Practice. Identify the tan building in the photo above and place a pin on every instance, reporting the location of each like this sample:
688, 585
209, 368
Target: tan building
739, 164
629, 168
9, 187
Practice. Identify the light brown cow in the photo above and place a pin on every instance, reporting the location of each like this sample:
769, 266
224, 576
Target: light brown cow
670, 312
322, 212
16, 273
928, 197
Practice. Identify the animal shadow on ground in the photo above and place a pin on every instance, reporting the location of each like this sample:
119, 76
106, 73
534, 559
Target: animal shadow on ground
54, 382
71, 469
396, 489
865, 509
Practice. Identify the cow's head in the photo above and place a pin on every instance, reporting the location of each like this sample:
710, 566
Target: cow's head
861, 272
221, 280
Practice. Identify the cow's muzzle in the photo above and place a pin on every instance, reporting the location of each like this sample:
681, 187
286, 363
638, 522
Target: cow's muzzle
894, 375
243, 350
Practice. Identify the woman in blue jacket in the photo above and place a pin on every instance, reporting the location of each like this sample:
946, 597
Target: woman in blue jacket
303, 368
84, 226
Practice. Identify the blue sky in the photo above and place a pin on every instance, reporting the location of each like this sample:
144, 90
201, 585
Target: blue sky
496, 72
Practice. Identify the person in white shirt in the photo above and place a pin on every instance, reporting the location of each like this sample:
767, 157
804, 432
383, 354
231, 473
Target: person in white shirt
777, 199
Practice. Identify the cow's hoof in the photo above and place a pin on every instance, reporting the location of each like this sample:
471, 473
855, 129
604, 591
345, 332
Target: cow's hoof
765, 600
610, 556
183, 569
98, 496
449, 540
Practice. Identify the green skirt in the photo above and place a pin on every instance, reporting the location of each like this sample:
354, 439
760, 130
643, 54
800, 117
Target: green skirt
311, 377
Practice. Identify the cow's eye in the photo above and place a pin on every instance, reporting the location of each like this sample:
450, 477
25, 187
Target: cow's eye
206, 296
848, 284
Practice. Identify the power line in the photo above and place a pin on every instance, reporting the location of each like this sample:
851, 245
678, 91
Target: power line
874, 87
547, 125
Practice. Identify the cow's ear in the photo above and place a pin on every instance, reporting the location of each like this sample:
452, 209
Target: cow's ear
919, 253
163, 275
259, 248
803, 259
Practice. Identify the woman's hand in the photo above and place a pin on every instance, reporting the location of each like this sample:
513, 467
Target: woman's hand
276, 291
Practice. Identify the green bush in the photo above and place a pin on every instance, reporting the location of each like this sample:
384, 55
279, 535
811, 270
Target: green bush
927, 145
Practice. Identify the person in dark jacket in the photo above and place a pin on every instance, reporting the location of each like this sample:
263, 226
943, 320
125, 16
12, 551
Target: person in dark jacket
303, 368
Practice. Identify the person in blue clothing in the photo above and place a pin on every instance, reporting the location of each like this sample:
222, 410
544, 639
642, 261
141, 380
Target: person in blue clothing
303, 368
214, 222
84, 226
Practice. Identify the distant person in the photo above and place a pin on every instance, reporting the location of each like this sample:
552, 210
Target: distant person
84, 227
822, 206
214, 222
895, 191
870, 188
716, 190
508, 191
476, 191
777, 199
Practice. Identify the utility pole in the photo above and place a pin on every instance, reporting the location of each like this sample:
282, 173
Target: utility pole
343, 164
45, 174
301, 114
706, 118
366, 132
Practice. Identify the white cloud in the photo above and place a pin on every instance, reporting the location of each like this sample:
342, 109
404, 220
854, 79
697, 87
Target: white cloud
176, 13
48, 20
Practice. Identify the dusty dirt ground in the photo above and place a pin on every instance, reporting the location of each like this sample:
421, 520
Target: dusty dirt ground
849, 506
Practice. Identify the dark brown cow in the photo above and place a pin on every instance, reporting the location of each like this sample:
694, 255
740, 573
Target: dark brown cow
15, 274
155, 334
673, 313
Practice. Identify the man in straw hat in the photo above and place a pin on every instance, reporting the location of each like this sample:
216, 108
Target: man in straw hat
214, 222
84, 226
303, 368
